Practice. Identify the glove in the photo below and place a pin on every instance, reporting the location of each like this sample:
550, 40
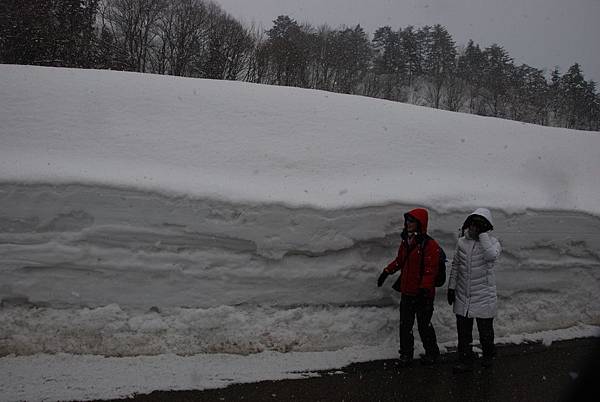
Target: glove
382, 278
451, 296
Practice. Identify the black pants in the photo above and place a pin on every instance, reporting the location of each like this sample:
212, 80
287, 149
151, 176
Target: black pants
422, 308
485, 326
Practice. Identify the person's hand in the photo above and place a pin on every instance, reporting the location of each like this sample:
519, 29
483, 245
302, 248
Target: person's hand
474, 231
382, 278
451, 296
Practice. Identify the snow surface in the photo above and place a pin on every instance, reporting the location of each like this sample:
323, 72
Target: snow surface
172, 233
75, 377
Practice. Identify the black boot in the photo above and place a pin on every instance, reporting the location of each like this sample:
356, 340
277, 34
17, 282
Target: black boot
405, 361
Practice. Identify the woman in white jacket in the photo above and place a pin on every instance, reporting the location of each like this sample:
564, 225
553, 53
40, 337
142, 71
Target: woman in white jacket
472, 287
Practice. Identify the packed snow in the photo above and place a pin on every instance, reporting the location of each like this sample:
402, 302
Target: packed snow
174, 233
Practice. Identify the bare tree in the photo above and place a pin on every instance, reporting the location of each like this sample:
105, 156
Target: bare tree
455, 94
134, 28
182, 33
257, 61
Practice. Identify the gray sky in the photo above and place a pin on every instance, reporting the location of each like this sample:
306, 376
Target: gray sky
541, 33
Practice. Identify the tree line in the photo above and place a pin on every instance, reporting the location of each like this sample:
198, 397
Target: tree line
196, 38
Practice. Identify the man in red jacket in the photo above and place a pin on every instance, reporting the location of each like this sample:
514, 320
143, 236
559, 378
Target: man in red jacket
417, 261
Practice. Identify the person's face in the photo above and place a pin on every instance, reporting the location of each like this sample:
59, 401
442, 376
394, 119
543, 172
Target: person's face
476, 226
411, 224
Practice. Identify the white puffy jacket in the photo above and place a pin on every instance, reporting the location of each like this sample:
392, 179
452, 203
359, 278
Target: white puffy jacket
473, 276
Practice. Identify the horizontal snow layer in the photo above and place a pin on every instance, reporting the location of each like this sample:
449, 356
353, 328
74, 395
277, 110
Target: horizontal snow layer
100, 270
246, 142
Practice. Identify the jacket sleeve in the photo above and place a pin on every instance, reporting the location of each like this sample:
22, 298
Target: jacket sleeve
491, 247
394, 266
454, 268
431, 260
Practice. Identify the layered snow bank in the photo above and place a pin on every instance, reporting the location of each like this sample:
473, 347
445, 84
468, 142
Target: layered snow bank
146, 215
115, 272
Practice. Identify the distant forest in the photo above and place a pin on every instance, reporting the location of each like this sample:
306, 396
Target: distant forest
196, 38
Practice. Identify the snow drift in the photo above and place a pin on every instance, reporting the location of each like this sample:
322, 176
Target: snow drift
142, 215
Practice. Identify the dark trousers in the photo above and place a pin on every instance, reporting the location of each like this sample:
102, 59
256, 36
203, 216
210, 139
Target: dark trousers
422, 309
485, 326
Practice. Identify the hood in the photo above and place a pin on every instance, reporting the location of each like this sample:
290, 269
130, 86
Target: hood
421, 215
484, 212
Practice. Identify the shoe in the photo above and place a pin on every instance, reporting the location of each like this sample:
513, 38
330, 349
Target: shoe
463, 367
405, 361
429, 359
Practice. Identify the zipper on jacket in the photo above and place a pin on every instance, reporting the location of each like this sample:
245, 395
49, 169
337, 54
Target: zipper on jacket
469, 261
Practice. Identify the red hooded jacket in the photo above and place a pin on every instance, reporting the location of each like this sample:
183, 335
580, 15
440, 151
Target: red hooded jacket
408, 261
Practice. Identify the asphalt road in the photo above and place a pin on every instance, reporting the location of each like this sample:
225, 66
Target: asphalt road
564, 371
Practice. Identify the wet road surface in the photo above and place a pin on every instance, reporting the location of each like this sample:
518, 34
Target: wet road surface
564, 371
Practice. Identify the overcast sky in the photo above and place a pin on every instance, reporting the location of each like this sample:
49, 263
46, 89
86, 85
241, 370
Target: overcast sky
541, 33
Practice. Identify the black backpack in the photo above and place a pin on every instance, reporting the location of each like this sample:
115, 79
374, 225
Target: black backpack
440, 278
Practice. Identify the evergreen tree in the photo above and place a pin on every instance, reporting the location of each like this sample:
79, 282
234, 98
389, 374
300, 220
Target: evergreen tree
538, 96
574, 93
412, 53
353, 54
441, 61
496, 71
287, 51
390, 64
593, 107
527, 94
470, 69
555, 96
45, 32
388, 53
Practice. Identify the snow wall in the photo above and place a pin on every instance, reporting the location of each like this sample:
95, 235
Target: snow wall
119, 272
95, 260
